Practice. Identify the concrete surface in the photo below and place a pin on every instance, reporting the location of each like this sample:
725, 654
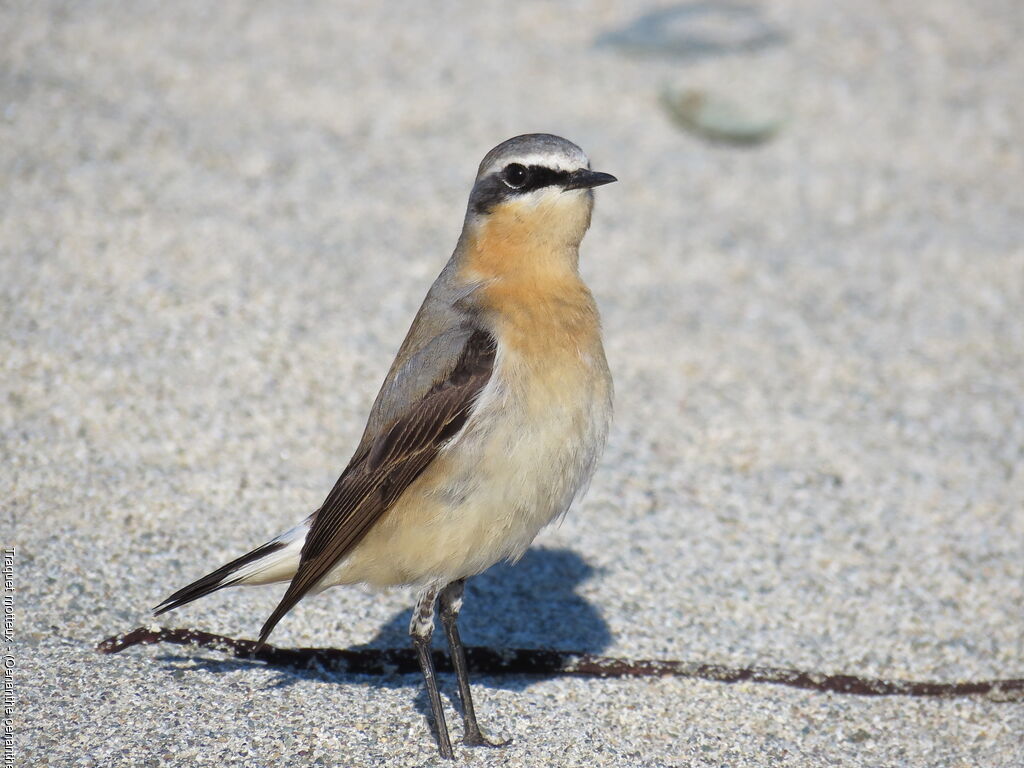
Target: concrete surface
217, 220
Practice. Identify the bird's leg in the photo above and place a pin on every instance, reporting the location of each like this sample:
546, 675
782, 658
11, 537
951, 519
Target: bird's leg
421, 628
451, 604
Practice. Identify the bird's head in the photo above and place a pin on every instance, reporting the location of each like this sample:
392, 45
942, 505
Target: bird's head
535, 187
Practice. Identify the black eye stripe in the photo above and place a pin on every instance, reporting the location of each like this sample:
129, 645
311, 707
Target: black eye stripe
540, 176
495, 187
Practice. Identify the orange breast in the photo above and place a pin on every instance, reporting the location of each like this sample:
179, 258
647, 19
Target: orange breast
531, 289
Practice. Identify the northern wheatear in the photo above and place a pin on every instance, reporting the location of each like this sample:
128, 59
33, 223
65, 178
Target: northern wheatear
488, 425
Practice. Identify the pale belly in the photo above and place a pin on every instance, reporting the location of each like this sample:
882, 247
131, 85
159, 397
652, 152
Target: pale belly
524, 455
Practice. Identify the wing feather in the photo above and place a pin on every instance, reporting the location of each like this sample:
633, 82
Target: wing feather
382, 469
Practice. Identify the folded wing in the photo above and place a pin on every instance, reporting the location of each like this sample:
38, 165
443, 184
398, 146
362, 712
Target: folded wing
387, 462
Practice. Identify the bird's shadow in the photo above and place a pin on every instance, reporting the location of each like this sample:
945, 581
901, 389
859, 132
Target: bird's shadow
532, 604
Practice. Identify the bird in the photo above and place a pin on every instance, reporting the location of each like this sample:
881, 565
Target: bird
488, 425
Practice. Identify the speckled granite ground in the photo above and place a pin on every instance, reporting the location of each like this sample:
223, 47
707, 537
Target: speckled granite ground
217, 220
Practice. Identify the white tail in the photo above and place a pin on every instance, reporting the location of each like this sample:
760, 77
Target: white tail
277, 560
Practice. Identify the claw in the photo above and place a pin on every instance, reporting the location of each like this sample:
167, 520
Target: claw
477, 739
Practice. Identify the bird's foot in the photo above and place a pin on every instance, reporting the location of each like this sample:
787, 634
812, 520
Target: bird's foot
475, 738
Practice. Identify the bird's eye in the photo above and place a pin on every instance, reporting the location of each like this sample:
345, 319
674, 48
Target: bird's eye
515, 175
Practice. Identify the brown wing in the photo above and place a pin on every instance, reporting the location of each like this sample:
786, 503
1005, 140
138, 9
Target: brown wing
381, 472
